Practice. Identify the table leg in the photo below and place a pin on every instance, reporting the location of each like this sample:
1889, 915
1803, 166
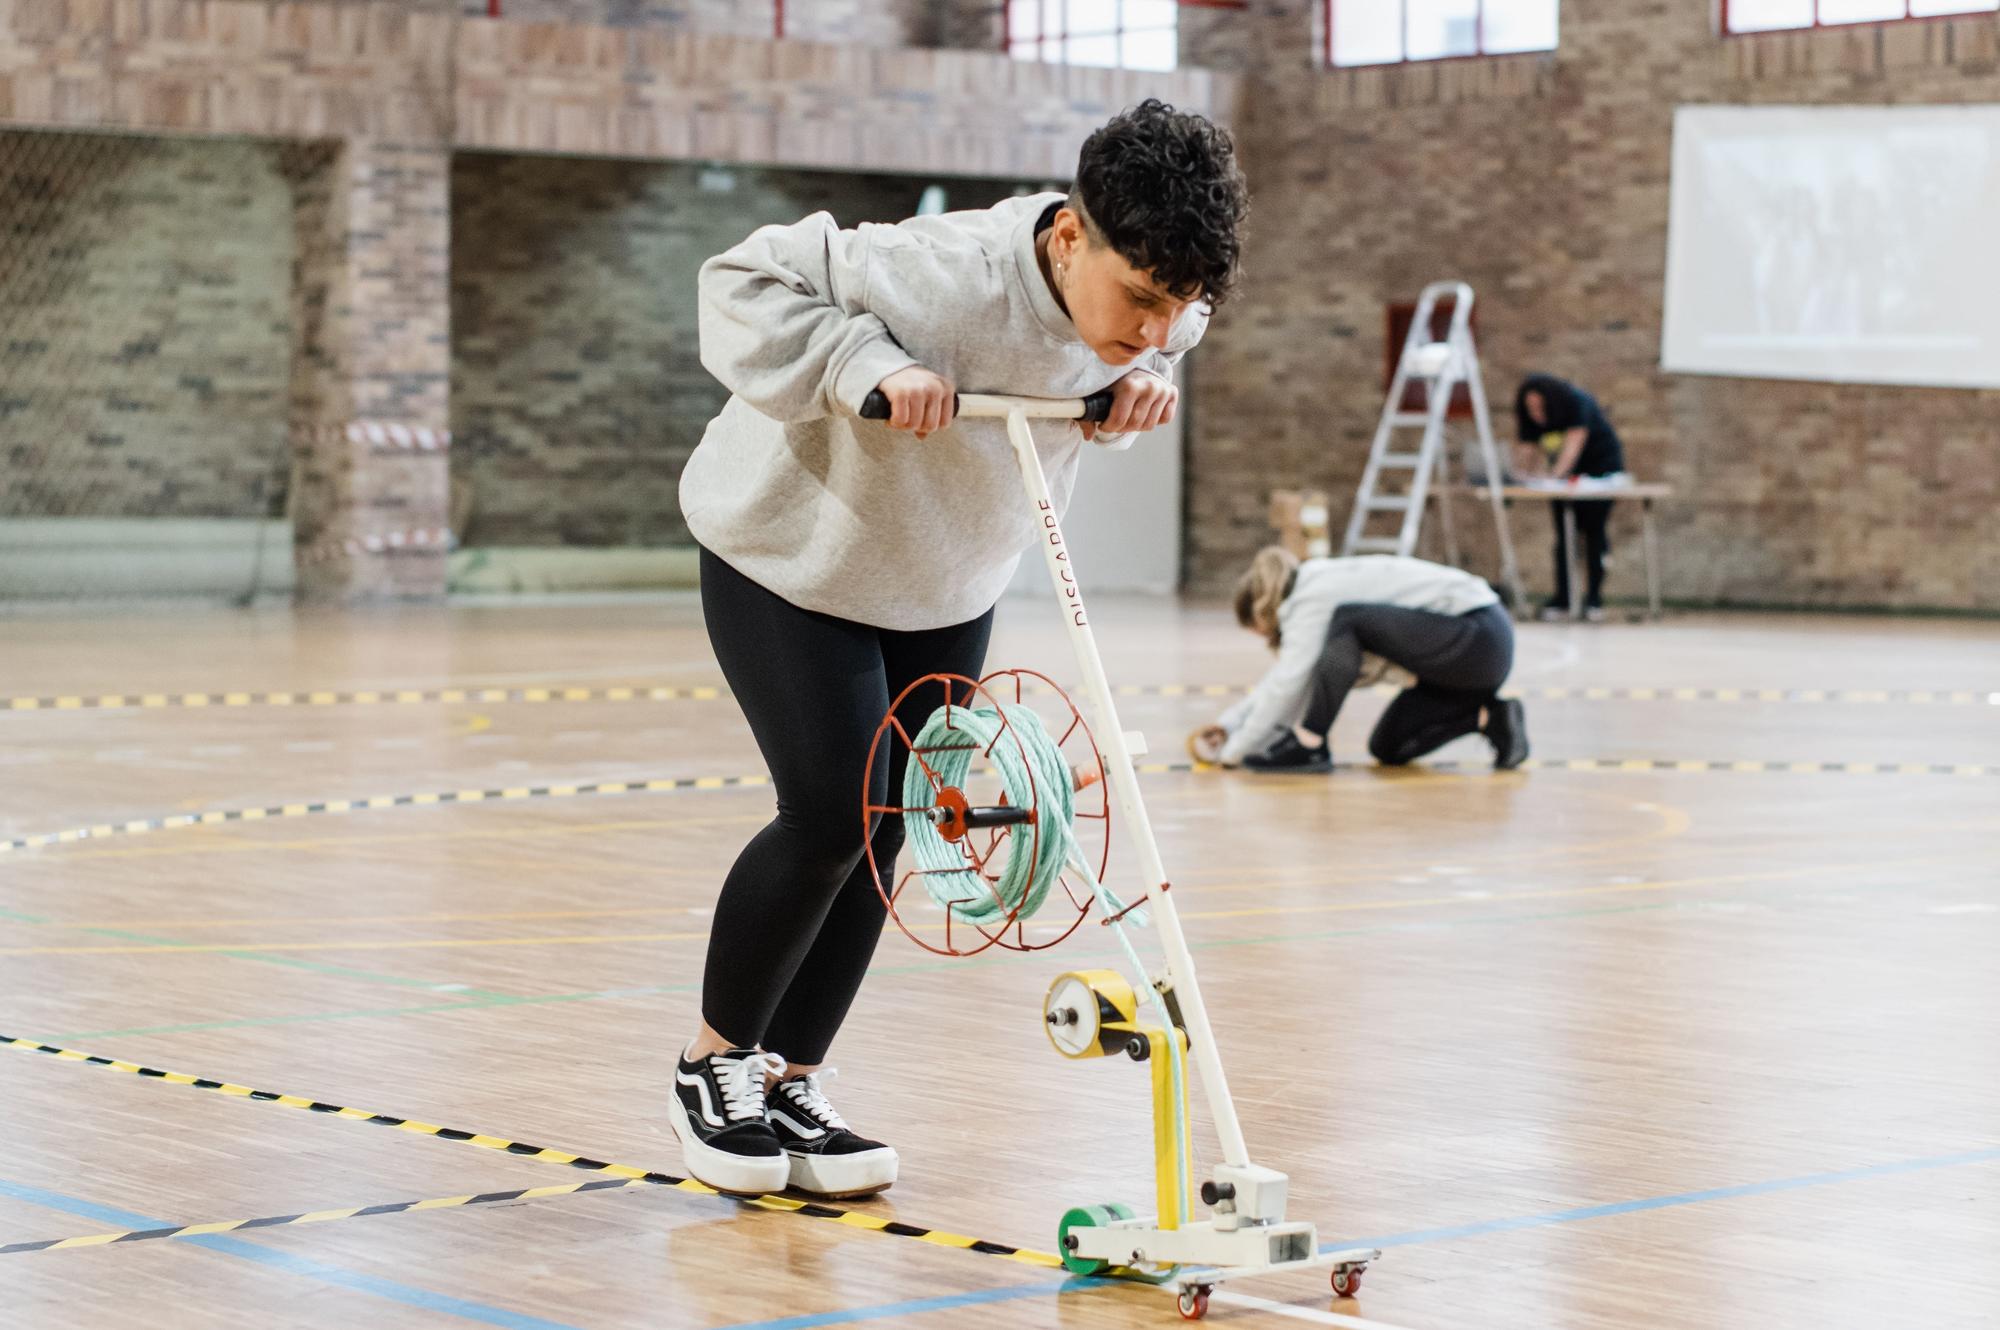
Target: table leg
1570, 563
1652, 558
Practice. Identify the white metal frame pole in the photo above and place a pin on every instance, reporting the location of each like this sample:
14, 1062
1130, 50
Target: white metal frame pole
1111, 740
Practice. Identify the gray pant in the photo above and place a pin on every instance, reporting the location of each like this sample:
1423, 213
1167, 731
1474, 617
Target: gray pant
1460, 661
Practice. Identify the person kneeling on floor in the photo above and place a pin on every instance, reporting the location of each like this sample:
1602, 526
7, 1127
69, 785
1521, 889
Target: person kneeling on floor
1330, 620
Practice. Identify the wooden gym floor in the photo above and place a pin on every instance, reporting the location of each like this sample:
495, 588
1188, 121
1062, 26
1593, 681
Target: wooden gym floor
1696, 1022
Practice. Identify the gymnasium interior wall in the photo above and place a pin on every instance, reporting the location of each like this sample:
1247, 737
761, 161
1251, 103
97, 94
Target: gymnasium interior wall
453, 148
1543, 181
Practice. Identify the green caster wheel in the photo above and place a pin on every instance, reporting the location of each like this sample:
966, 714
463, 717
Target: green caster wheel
1087, 1216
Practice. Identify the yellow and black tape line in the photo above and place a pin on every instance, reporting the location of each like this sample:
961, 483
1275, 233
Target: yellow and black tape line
1757, 768
625, 1172
716, 692
221, 816
1971, 769
358, 697
320, 1216
1958, 697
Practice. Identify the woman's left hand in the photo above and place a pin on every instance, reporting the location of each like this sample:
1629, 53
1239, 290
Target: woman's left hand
1141, 400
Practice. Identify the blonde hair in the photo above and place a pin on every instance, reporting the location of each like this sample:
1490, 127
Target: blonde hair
1263, 589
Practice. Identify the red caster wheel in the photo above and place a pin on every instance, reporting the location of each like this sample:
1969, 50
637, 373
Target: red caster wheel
1193, 1303
1347, 1280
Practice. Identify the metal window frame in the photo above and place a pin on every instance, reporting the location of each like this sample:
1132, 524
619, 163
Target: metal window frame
1818, 23
1479, 51
1042, 39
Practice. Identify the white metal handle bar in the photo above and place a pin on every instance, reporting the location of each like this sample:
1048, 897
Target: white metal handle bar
1095, 407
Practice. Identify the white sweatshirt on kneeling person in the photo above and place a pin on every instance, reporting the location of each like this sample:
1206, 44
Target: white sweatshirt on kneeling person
1322, 587
847, 516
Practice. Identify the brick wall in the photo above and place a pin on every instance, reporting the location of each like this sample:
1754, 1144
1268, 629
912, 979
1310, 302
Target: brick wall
1544, 182
370, 378
576, 390
144, 316
372, 100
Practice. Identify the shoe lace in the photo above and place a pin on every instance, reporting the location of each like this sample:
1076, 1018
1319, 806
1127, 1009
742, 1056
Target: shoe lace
742, 1081
805, 1091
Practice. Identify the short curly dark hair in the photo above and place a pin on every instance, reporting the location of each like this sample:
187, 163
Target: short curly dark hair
1163, 188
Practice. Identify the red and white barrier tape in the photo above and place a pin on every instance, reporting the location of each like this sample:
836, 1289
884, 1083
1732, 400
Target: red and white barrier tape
385, 435
421, 539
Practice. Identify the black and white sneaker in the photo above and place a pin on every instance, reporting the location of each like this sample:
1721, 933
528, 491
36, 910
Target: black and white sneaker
827, 1159
717, 1109
1507, 730
1290, 756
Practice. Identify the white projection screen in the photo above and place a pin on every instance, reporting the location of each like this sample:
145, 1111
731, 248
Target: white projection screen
1843, 244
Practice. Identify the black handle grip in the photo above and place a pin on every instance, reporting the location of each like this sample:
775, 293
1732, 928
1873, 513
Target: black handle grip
1096, 407
1004, 815
876, 406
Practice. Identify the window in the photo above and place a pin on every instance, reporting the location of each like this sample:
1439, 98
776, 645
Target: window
1771, 15
1398, 315
1121, 34
1387, 32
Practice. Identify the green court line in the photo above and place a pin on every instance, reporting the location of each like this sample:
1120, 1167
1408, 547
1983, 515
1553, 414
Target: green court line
1406, 926
289, 962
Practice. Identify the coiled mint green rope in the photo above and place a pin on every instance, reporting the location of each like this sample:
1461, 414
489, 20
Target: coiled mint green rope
1034, 774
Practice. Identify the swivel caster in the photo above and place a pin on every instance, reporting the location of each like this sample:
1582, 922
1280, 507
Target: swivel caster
1347, 1280
1194, 1302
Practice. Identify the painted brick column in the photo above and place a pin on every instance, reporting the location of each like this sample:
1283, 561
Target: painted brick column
371, 371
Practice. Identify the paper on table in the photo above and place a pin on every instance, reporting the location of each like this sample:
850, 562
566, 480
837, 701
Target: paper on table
1617, 480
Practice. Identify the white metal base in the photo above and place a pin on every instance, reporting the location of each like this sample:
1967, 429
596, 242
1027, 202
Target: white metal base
1354, 1259
1215, 1254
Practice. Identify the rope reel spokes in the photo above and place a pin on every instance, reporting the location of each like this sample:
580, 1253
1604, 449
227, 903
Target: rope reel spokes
1002, 802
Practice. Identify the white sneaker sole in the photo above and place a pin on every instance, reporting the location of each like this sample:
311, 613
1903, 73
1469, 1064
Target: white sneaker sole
844, 1176
738, 1175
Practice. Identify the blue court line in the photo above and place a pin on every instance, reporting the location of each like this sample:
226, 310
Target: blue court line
889, 1310
917, 1306
420, 1298
1581, 1213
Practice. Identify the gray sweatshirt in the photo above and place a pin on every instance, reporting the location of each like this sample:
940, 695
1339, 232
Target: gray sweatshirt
847, 516
1323, 586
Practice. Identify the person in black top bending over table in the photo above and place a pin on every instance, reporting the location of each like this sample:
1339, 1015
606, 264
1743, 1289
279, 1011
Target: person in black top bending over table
1564, 433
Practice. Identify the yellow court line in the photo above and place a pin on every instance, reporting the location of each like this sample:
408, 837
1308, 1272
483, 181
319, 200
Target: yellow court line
401, 944
226, 844
1552, 893
1334, 907
280, 921
1675, 822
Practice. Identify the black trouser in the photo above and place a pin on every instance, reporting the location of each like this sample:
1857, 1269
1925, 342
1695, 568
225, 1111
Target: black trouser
1593, 518
1460, 661
799, 914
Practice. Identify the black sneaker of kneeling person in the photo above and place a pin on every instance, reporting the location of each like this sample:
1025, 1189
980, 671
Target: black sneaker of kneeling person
827, 1157
1506, 729
1289, 756
717, 1109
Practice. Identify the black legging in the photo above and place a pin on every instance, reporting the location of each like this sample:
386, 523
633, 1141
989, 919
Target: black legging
1460, 661
799, 914
1593, 519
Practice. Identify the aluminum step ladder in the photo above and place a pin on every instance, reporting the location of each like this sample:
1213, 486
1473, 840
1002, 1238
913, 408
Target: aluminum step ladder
1440, 367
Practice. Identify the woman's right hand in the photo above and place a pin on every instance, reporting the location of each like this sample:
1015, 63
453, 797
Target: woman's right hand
1205, 744
919, 401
